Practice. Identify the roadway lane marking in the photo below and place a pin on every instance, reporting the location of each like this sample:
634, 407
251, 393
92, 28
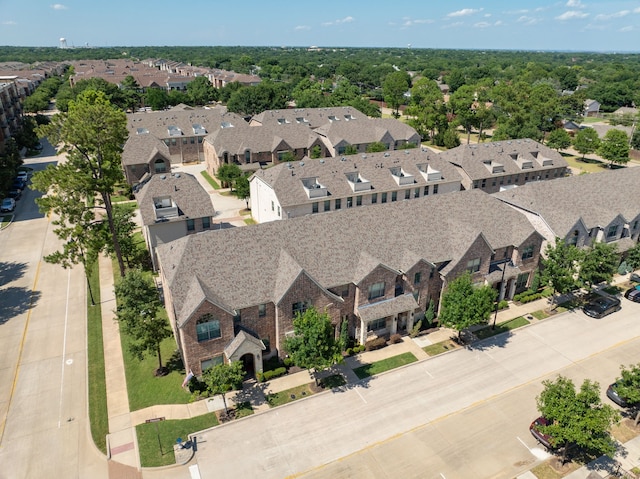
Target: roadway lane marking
535, 451
442, 476
430, 375
358, 392
64, 347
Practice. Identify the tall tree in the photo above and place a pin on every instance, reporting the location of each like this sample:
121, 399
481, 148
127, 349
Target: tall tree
577, 418
222, 378
313, 344
227, 174
614, 147
427, 107
395, 85
91, 133
633, 256
559, 139
598, 264
201, 91
560, 268
243, 189
464, 305
137, 313
586, 141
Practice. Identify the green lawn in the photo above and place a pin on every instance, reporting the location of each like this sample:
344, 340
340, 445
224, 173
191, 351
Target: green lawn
384, 365
501, 328
289, 395
210, 180
540, 314
168, 431
441, 347
243, 409
5, 220
98, 415
143, 387
249, 221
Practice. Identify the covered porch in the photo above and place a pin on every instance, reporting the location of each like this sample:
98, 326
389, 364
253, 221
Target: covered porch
387, 317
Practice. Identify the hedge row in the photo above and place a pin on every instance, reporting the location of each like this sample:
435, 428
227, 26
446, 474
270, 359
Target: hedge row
273, 373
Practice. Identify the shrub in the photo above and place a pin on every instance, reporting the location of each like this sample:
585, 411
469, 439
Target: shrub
260, 377
395, 338
416, 329
349, 351
288, 362
530, 297
360, 348
274, 373
375, 344
504, 304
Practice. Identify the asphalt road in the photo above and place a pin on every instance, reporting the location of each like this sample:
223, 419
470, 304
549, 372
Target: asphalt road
459, 415
44, 427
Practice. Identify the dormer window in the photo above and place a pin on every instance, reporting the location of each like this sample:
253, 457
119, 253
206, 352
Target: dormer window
333, 118
521, 161
283, 121
494, 167
349, 117
164, 208
401, 176
301, 119
429, 173
174, 130
357, 182
198, 129
314, 188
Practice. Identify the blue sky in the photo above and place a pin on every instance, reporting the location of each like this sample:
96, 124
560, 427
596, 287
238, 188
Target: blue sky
611, 25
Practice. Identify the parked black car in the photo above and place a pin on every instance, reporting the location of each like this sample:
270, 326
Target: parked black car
612, 393
633, 294
601, 306
635, 277
544, 439
15, 194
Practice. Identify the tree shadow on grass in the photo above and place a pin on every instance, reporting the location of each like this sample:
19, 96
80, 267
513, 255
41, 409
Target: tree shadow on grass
174, 363
252, 392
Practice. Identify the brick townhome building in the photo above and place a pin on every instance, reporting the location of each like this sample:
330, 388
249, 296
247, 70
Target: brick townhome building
321, 185
233, 294
501, 165
583, 209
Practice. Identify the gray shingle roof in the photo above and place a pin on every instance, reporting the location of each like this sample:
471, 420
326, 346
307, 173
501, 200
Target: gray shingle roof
157, 123
140, 149
312, 117
388, 307
596, 198
335, 249
185, 191
286, 178
511, 155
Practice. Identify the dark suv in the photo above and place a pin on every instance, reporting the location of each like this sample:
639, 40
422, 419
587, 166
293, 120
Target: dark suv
601, 306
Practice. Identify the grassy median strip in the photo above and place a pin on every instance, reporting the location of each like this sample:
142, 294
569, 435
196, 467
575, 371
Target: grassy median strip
284, 397
210, 180
441, 347
98, 415
501, 328
156, 440
384, 365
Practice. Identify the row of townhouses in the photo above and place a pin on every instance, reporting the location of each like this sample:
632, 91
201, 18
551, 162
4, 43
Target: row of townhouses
232, 294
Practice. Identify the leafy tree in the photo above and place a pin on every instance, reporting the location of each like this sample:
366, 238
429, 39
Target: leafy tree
599, 264
10, 161
586, 141
125, 228
559, 268
464, 305
222, 378
614, 147
156, 98
35, 103
91, 135
635, 140
137, 313
243, 189
316, 152
633, 256
227, 174
427, 107
376, 146
395, 85
313, 344
628, 387
451, 138
255, 99
462, 104
200, 91
559, 139
577, 418
350, 150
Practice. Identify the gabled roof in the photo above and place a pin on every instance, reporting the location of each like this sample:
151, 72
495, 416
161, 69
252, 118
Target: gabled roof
311, 117
239, 339
332, 173
596, 199
142, 148
184, 190
333, 249
500, 158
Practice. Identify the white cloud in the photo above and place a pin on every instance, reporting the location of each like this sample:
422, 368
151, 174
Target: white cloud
636, 10
603, 16
302, 27
9, 22
453, 25
409, 22
487, 24
58, 6
338, 21
626, 29
574, 4
525, 20
464, 12
572, 14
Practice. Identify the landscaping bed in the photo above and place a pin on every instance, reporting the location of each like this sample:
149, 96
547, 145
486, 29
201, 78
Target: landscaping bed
384, 365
